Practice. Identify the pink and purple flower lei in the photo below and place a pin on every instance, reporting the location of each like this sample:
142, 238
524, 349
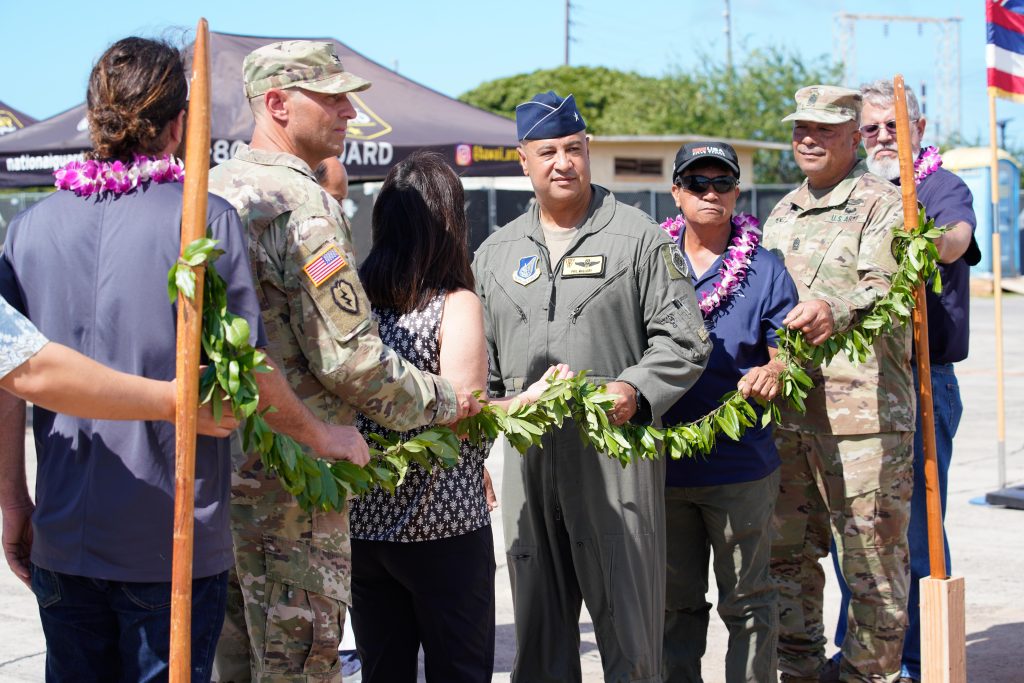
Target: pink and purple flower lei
926, 164
742, 245
86, 178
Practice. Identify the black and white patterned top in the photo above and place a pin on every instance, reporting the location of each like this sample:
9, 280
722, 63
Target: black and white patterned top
425, 507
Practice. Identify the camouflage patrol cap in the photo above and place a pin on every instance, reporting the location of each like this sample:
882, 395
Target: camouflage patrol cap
308, 64
826, 104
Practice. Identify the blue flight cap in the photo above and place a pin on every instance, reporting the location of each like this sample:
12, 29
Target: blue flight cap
548, 116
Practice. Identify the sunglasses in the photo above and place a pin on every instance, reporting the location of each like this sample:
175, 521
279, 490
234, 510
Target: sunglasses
700, 183
871, 130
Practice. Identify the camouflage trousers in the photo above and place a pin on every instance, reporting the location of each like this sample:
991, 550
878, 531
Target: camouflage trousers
286, 596
856, 488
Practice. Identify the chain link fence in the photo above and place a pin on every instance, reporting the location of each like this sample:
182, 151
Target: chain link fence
487, 210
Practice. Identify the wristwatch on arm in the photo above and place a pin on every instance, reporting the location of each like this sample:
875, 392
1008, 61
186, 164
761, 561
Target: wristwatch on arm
643, 409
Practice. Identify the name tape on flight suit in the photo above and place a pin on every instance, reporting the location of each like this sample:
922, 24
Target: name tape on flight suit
583, 266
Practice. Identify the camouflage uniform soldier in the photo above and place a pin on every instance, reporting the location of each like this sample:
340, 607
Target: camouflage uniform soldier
848, 461
286, 612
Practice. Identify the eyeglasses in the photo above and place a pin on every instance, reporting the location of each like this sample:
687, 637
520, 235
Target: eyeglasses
871, 130
700, 183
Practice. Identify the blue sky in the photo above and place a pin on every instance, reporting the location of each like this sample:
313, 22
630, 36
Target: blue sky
47, 48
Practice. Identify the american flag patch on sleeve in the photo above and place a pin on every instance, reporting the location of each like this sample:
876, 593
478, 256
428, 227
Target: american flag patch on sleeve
325, 264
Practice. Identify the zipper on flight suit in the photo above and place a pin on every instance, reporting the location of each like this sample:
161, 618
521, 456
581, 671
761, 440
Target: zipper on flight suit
519, 309
553, 475
604, 285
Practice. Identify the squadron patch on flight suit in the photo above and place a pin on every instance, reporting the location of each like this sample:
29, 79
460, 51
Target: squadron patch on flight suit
674, 262
528, 270
583, 266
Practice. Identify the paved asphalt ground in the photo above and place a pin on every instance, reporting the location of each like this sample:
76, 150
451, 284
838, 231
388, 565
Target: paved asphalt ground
987, 543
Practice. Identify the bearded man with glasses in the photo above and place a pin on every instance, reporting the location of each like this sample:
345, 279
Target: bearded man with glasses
724, 502
847, 463
948, 201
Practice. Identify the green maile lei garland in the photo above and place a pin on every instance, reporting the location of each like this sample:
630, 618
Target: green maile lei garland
317, 483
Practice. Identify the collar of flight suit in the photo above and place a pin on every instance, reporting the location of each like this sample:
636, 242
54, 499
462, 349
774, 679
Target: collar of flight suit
803, 200
599, 214
266, 158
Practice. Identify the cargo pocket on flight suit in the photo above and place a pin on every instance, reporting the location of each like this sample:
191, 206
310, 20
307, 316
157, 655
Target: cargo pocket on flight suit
304, 625
631, 598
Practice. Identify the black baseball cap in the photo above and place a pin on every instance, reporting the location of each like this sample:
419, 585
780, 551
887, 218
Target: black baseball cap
709, 150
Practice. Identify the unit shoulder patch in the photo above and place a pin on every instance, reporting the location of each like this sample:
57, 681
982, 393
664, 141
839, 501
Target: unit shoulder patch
675, 263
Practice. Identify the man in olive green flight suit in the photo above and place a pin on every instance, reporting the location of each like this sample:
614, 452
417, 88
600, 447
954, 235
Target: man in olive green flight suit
584, 280
286, 609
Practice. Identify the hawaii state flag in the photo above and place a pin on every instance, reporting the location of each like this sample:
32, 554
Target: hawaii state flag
1004, 53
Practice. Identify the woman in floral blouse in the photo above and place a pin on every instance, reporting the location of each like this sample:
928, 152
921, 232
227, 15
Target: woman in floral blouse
423, 558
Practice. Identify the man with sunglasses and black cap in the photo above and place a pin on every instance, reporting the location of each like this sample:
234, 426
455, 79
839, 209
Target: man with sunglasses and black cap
583, 279
723, 503
847, 463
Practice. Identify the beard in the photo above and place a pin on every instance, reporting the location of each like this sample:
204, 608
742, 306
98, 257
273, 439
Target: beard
886, 168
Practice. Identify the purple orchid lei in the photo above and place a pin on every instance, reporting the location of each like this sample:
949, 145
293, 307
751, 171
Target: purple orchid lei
742, 245
86, 178
926, 164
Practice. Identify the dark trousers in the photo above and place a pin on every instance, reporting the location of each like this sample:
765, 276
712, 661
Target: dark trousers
734, 521
106, 631
438, 594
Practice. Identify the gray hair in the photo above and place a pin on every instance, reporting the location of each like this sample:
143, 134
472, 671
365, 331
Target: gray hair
880, 93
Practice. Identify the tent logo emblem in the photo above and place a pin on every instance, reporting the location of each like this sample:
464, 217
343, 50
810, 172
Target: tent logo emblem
9, 122
366, 125
463, 155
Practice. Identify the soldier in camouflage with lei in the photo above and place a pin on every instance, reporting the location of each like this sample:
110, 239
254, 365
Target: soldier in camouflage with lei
847, 463
285, 614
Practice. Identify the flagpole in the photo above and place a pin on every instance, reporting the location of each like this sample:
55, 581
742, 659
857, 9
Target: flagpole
997, 291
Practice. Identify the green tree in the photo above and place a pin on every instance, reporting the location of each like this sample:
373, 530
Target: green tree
746, 102
607, 98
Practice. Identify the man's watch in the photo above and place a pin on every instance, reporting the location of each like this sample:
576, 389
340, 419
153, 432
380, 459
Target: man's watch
637, 396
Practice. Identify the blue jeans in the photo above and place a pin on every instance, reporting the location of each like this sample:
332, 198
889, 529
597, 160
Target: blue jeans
947, 409
99, 630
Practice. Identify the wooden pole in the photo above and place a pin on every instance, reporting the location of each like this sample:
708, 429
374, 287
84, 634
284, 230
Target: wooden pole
936, 547
943, 643
997, 292
190, 320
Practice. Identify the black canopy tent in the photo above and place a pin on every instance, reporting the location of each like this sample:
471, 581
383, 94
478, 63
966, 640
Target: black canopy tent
395, 117
12, 120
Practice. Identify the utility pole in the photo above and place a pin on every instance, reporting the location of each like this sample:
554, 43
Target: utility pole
1002, 131
728, 36
568, 7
